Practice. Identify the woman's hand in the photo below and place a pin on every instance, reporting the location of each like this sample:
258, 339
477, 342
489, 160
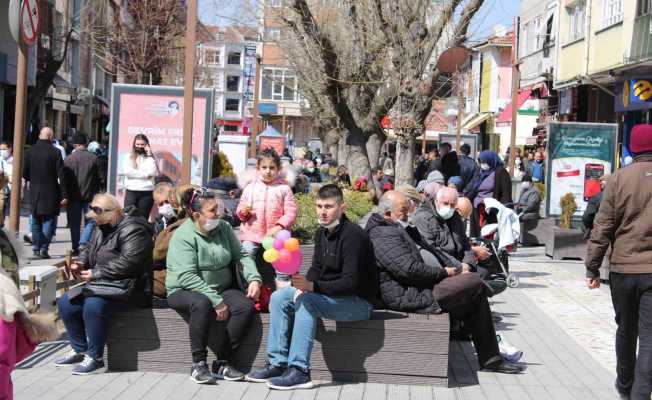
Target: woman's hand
86, 274
253, 290
481, 252
222, 312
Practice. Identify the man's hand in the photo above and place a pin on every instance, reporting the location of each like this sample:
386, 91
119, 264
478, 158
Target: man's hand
64, 202
300, 282
466, 268
451, 271
86, 275
481, 252
593, 283
222, 312
76, 268
253, 290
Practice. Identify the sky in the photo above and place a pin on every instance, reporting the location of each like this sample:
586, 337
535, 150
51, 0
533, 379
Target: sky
493, 12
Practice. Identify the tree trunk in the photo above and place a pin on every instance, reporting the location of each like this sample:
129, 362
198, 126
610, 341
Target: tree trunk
342, 151
374, 145
333, 149
357, 154
404, 166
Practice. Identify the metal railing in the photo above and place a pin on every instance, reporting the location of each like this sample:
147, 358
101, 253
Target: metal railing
642, 39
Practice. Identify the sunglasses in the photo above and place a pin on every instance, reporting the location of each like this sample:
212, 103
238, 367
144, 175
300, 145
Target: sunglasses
100, 210
201, 193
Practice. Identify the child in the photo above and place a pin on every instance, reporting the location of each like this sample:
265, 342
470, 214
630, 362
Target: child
266, 207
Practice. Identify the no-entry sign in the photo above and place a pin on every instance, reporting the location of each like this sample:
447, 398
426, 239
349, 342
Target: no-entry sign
29, 21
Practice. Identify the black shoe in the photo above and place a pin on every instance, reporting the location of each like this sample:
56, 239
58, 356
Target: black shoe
293, 379
503, 367
36, 255
74, 253
264, 374
45, 255
226, 371
199, 373
27, 239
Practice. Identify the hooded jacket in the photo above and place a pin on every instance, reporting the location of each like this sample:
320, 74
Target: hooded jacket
624, 221
123, 252
271, 204
406, 282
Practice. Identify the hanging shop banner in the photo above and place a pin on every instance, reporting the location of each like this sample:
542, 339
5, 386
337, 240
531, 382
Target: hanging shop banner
633, 94
157, 112
249, 73
578, 155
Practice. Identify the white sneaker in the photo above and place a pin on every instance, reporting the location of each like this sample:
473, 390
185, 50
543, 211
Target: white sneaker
507, 351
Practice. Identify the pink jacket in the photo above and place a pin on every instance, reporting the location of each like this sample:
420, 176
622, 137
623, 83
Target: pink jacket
14, 347
270, 205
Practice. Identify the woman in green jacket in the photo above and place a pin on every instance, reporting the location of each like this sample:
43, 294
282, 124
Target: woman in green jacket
201, 284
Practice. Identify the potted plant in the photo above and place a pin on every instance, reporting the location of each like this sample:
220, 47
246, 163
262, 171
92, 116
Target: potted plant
566, 241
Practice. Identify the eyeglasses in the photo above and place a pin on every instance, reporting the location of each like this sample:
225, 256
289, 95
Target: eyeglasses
100, 210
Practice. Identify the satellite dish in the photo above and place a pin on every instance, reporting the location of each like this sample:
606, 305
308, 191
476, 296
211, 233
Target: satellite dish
452, 59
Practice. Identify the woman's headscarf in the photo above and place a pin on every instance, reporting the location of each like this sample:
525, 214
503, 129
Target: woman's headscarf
490, 158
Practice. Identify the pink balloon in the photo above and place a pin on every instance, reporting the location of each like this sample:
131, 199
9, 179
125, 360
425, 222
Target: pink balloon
283, 235
278, 244
284, 256
296, 260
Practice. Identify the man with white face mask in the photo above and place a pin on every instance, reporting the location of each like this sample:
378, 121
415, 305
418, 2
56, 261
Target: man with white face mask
529, 202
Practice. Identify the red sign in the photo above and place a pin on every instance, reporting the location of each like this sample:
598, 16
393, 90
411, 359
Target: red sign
275, 142
30, 20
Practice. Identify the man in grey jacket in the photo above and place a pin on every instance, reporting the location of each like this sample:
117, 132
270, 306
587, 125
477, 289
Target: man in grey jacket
529, 202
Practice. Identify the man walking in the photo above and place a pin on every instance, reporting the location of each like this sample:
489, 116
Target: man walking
624, 222
341, 285
468, 166
44, 171
83, 180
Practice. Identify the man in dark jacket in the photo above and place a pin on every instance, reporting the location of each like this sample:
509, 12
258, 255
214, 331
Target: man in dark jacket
44, 170
83, 180
468, 166
592, 208
341, 285
407, 283
226, 190
624, 223
436, 164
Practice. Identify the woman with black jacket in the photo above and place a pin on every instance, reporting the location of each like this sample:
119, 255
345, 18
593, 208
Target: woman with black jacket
117, 268
493, 181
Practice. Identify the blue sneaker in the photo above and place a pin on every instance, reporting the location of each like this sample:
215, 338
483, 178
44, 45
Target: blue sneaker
265, 374
293, 379
69, 359
88, 366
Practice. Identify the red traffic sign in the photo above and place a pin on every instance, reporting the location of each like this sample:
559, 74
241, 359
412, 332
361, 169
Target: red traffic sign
30, 20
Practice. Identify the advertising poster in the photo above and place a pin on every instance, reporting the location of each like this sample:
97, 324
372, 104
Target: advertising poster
578, 155
157, 112
249, 74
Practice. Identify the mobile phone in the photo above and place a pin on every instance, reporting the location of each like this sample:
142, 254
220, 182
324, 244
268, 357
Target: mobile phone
592, 175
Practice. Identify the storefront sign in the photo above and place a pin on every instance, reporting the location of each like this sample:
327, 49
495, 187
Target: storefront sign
157, 112
267, 108
633, 94
578, 155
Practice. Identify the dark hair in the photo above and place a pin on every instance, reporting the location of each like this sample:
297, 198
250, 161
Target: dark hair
445, 144
527, 178
134, 155
376, 170
194, 197
330, 191
465, 148
270, 153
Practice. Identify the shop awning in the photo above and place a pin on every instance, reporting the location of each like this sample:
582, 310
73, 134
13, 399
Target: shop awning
506, 115
474, 120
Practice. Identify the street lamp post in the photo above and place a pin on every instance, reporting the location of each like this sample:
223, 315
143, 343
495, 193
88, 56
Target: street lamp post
189, 90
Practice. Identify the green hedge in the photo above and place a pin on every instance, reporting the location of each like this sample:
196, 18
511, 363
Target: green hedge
357, 205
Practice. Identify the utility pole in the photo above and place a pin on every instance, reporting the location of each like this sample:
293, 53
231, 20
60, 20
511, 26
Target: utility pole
516, 77
19, 136
189, 90
460, 112
254, 122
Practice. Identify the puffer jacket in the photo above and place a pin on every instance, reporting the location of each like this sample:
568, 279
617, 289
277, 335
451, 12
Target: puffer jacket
624, 221
406, 282
271, 204
123, 252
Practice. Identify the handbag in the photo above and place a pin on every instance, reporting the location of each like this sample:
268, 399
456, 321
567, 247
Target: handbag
116, 290
262, 305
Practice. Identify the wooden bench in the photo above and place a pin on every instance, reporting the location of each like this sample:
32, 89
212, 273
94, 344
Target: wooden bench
392, 347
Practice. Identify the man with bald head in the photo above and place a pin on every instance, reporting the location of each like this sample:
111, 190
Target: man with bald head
43, 169
408, 283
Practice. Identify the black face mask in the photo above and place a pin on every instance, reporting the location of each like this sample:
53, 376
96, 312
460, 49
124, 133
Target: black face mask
140, 150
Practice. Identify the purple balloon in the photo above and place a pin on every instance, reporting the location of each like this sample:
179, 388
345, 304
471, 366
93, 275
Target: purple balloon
283, 235
278, 244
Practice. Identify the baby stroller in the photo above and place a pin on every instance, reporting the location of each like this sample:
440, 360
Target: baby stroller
500, 239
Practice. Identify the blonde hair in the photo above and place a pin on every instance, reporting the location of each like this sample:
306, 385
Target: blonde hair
109, 199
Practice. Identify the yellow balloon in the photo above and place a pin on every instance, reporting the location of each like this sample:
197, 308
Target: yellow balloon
270, 255
292, 244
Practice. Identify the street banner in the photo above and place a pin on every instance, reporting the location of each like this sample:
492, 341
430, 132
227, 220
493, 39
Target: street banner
157, 112
578, 155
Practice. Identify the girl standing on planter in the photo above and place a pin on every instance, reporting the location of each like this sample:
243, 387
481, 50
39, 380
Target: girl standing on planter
201, 285
139, 170
266, 207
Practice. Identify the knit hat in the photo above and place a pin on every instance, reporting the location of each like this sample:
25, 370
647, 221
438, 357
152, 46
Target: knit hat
435, 176
457, 181
641, 139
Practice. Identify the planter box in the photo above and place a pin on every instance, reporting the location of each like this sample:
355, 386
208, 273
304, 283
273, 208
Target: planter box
565, 243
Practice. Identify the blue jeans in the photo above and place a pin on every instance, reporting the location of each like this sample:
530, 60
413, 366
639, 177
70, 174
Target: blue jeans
75, 212
303, 315
86, 320
43, 227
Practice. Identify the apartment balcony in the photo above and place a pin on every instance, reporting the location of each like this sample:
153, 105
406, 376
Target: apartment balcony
642, 39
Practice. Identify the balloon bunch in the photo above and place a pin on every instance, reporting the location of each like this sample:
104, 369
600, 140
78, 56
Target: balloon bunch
283, 252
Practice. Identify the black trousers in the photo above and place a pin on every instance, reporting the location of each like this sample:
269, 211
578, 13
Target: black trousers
143, 200
631, 295
464, 298
197, 310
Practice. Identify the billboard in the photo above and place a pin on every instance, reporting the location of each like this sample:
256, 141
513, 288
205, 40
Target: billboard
157, 112
579, 154
470, 139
